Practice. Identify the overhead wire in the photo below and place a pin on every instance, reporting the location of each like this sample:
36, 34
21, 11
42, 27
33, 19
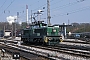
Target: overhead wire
81, 9
74, 11
46, 4
3, 4
7, 7
66, 5
70, 4
57, 2
9, 4
63, 6
41, 6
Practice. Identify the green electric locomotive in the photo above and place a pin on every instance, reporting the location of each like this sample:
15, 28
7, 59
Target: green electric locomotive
39, 32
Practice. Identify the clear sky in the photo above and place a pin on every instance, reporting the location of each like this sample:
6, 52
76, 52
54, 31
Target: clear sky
61, 11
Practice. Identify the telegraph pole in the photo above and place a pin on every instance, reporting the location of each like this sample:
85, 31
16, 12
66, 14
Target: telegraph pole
48, 12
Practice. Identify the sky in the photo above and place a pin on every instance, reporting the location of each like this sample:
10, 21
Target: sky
61, 11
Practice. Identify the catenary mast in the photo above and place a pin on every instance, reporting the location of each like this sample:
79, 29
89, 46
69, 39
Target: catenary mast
48, 12
27, 15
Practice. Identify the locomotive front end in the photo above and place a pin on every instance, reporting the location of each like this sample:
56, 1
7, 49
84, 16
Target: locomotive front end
52, 40
53, 36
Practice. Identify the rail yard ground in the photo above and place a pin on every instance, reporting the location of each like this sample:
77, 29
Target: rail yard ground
7, 55
69, 49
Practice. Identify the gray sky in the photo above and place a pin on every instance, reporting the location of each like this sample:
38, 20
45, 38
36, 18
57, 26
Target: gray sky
61, 11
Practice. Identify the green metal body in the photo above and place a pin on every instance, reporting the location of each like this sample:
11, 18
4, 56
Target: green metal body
41, 34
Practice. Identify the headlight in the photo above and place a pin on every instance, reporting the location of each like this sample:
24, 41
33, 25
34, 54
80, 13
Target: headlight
60, 37
47, 33
54, 30
49, 38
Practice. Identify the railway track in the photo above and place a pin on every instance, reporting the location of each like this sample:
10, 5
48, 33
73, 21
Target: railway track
57, 52
81, 42
32, 51
67, 50
77, 41
11, 48
82, 50
85, 39
76, 44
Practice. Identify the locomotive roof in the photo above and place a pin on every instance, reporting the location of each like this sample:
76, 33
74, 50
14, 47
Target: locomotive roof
61, 25
43, 24
38, 23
